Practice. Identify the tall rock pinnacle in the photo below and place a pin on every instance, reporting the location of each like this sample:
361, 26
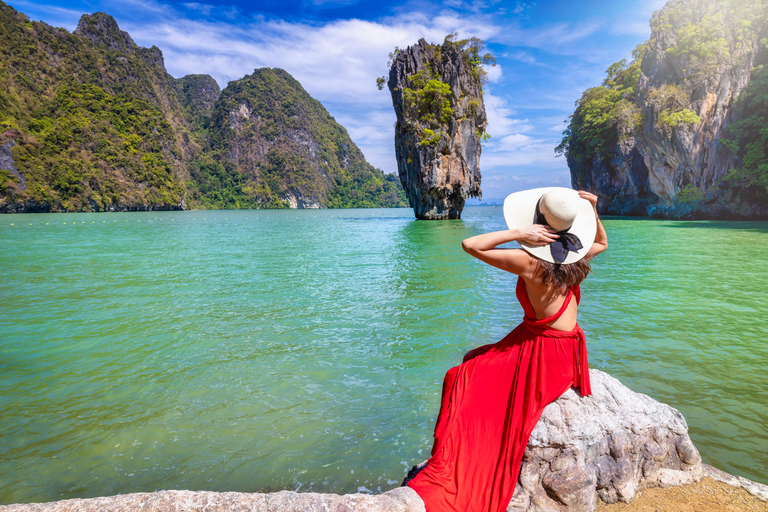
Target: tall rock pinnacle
437, 94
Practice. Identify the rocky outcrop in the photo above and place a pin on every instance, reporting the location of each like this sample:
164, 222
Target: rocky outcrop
756, 489
101, 29
6, 162
616, 442
610, 445
198, 93
288, 151
698, 60
438, 130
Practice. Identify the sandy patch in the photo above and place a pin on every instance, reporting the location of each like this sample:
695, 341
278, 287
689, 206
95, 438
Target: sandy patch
707, 495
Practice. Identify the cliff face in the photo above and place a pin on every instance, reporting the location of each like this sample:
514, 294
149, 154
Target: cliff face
437, 95
280, 148
660, 151
89, 121
198, 93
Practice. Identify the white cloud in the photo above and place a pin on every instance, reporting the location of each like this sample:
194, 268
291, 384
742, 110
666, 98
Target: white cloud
334, 3
522, 57
639, 28
339, 59
494, 73
500, 116
204, 9
65, 18
514, 141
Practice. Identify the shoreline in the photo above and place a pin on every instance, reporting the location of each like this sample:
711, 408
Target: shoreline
715, 488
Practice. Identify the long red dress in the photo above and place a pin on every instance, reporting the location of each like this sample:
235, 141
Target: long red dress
490, 404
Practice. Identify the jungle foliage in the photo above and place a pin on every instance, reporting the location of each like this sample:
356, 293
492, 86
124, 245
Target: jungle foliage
748, 138
95, 122
84, 125
605, 113
427, 98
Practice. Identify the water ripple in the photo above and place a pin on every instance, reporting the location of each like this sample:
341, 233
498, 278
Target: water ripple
245, 351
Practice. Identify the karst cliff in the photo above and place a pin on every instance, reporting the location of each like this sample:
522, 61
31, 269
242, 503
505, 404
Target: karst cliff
437, 95
90, 121
675, 133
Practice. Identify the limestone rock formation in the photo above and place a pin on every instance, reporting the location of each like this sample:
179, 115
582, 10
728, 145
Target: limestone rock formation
438, 100
285, 149
616, 442
662, 153
198, 93
101, 29
94, 122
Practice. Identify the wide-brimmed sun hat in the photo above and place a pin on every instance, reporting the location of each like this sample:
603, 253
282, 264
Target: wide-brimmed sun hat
563, 210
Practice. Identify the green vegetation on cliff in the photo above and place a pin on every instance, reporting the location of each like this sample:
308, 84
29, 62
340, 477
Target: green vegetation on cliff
271, 140
84, 120
698, 54
611, 112
95, 122
748, 138
90, 146
605, 113
427, 98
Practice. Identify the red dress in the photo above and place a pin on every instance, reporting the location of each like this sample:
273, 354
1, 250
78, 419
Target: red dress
489, 406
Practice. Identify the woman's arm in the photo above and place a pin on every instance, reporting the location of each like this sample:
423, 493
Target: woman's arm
601, 237
483, 247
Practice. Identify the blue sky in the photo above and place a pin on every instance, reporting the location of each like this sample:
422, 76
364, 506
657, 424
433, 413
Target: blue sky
548, 53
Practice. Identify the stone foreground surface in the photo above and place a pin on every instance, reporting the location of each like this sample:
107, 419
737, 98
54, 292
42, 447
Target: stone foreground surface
616, 442
402, 499
612, 444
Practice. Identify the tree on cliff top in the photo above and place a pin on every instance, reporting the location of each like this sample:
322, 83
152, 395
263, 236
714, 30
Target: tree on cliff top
472, 48
427, 97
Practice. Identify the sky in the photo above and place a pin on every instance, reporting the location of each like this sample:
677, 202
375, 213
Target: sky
548, 52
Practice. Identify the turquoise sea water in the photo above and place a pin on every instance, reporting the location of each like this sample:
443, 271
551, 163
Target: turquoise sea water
265, 350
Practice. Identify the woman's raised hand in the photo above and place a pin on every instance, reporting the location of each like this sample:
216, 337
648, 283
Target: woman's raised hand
589, 196
537, 235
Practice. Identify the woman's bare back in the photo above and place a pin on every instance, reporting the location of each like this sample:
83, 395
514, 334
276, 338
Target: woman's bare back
547, 301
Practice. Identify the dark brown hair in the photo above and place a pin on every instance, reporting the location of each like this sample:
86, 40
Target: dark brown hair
563, 276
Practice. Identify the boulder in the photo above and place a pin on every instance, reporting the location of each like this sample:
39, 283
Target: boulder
616, 442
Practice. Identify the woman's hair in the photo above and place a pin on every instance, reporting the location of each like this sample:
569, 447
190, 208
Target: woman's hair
563, 276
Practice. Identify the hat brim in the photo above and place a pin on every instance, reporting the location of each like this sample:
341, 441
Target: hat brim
520, 211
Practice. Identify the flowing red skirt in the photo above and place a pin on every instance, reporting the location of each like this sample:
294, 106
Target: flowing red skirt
489, 406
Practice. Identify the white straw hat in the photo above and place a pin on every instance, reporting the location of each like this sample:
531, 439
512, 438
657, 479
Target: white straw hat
563, 210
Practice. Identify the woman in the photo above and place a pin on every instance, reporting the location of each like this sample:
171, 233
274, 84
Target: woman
491, 402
